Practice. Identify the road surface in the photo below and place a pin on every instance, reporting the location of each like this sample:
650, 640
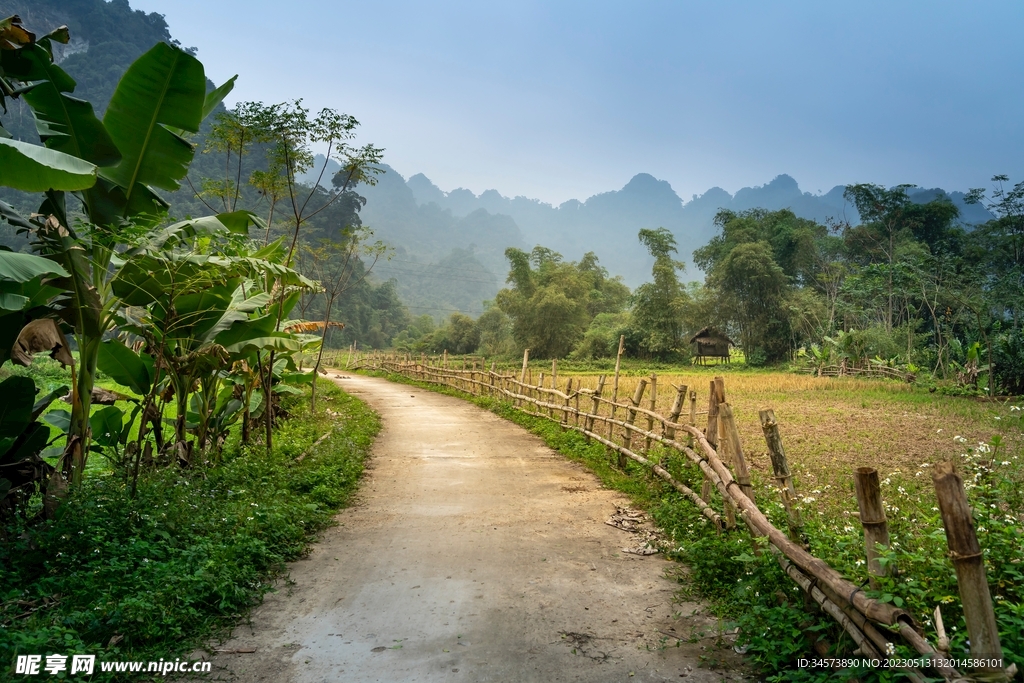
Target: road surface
472, 553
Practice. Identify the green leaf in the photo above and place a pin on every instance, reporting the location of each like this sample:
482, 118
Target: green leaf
17, 395
44, 402
106, 425
24, 267
124, 366
163, 89
8, 214
217, 95
32, 168
65, 123
61, 419
31, 443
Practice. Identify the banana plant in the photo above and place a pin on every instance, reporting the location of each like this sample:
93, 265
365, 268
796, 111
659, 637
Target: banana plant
136, 149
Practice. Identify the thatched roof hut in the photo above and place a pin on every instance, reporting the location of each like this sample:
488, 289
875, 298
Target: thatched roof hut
711, 343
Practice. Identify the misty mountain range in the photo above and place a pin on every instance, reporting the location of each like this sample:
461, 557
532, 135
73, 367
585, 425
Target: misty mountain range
450, 245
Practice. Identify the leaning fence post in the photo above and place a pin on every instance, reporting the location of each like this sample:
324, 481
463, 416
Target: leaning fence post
716, 395
965, 552
554, 373
780, 466
872, 518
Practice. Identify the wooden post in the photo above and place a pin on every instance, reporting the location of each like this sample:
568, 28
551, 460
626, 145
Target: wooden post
444, 363
540, 384
872, 518
729, 434
627, 433
615, 382
554, 373
652, 407
780, 466
526, 362
716, 395
565, 410
576, 398
677, 409
965, 552
588, 424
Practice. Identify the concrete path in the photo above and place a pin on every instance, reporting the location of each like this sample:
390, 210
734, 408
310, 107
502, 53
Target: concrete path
472, 553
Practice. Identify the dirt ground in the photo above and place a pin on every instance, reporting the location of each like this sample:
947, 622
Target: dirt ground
473, 553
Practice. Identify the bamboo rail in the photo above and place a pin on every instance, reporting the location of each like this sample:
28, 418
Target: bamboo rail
857, 613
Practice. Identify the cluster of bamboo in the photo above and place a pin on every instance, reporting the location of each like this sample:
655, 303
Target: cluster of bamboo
717, 451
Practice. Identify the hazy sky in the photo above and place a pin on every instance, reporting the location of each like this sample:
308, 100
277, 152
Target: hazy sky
560, 100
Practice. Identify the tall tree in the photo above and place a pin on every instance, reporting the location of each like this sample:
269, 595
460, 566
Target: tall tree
658, 305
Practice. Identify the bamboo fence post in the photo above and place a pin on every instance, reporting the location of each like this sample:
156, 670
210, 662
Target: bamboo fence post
615, 382
588, 423
540, 384
576, 397
565, 410
627, 432
872, 518
652, 407
444, 363
677, 409
554, 373
780, 466
716, 395
522, 375
965, 553
728, 433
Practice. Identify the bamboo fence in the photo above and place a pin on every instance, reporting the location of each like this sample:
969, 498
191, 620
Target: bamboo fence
630, 430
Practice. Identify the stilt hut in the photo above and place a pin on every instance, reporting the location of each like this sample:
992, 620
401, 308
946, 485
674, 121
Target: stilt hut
711, 343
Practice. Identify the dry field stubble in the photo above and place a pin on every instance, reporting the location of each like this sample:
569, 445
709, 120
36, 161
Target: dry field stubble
831, 426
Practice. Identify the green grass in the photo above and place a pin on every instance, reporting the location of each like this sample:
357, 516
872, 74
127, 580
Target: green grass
187, 557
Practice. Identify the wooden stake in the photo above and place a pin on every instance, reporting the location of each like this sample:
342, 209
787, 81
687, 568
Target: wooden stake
716, 395
554, 373
652, 406
780, 466
526, 362
627, 433
618, 362
677, 409
589, 421
941, 639
729, 435
872, 518
965, 552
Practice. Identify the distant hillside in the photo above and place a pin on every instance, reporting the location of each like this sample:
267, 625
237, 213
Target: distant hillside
423, 222
608, 223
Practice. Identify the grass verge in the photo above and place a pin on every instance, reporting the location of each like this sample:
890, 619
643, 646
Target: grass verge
154, 576
750, 589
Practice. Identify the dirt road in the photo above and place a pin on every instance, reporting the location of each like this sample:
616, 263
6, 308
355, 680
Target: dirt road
473, 553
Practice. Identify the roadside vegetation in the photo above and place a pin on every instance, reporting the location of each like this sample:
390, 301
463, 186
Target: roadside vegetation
158, 472
159, 573
748, 590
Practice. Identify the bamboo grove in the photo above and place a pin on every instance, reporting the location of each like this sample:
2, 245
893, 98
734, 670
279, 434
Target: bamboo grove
193, 318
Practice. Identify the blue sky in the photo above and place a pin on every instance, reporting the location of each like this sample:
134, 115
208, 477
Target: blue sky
560, 100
